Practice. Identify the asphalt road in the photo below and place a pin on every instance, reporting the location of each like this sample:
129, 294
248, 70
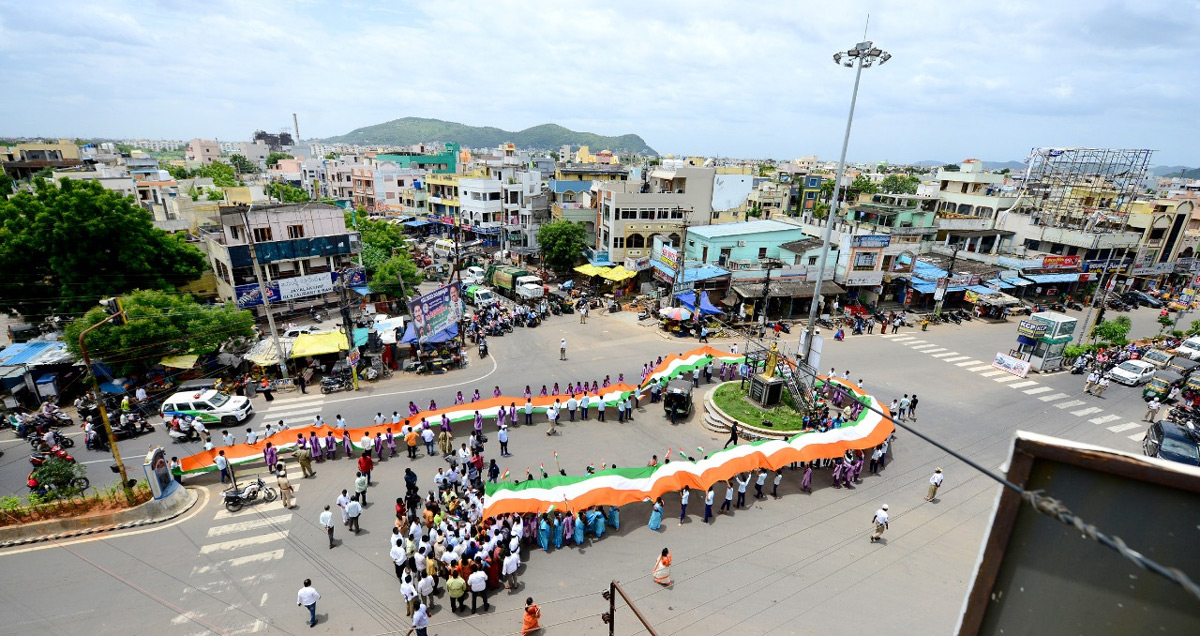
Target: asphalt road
800, 564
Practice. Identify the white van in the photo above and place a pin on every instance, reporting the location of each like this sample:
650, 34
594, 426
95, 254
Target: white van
473, 275
443, 248
208, 406
1190, 348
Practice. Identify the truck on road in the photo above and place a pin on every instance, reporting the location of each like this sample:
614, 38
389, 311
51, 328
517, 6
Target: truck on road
504, 279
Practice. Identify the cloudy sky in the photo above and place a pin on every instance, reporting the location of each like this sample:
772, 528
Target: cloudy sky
743, 79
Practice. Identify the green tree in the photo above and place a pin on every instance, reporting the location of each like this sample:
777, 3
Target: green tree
274, 157
221, 174
194, 193
1164, 322
286, 193
386, 276
1113, 331
158, 324
899, 184
951, 167
180, 172
7, 184
242, 165
66, 245
331, 155
827, 188
1194, 328
861, 185
821, 210
216, 195
562, 243
61, 476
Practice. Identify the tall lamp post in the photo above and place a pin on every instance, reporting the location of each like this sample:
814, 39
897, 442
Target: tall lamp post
115, 312
863, 55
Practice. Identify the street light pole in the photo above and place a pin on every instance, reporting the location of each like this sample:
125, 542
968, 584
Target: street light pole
108, 432
863, 55
937, 309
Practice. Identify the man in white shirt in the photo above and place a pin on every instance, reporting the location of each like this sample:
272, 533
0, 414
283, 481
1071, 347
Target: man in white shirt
340, 422
935, 482
584, 403
342, 500
398, 556
251, 436
353, 511
421, 620
378, 418
140, 394
223, 466
572, 404
226, 438
425, 587
409, 592
327, 523
881, 522
477, 583
562, 355
552, 415
508, 570
307, 598
528, 412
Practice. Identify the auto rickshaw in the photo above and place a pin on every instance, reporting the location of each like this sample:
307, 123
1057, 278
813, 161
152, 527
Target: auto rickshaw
563, 299
1183, 366
1160, 385
677, 400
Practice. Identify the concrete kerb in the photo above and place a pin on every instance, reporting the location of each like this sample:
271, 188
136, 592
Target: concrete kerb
149, 513
718, 421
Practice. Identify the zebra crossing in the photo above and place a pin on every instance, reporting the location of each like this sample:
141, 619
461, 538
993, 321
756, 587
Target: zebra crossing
295, 410
237, 552
1029, 387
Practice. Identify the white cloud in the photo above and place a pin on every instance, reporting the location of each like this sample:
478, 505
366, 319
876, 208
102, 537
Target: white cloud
732, 79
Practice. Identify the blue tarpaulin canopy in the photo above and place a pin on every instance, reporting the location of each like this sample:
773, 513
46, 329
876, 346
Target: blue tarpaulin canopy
417, 223
688, 300
361, 290
410, 335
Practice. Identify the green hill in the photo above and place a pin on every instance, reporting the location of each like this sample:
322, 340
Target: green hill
413, 130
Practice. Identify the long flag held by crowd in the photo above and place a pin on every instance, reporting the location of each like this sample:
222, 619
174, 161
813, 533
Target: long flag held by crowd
620, 486
608, 487
671, 366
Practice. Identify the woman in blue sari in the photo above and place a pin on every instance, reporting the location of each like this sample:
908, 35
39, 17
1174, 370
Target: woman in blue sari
596, 521
544, 534
614, 517
656, 515
558, 530
580, 528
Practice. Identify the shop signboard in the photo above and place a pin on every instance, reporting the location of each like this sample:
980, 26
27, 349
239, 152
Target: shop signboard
871, 241
248, 296
305, 286
1183, 265
639, 264
861, 279
1031, 329
1060, 262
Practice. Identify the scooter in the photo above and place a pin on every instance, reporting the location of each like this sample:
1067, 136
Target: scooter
235, 499
644, 314
59, 440
182, 431
483, 349
1079, 367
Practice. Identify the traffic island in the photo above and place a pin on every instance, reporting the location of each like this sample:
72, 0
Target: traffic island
18, 526
728, 402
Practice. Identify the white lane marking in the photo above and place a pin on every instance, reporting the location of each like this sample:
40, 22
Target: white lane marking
934, 350
926, 346
1006, 378
1121, 428
1056, 396
1137, 437
913, 343
1088, 411
290, 402
1105, 419
994, 371
471, 381
1040, 389
984, 367
243, 526
944, 355
969, 363
243, 543
1021, 385
224, 513
263, 602
955, 358
299, 410
1069, 404
888, 335
904, 339
261, 557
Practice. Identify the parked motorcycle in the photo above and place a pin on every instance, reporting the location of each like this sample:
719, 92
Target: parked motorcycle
333, 384
78, 484
235, 499
59, 440
1074, 305
644, 314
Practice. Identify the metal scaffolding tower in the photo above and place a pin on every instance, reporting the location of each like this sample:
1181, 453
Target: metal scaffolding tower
1088, 189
